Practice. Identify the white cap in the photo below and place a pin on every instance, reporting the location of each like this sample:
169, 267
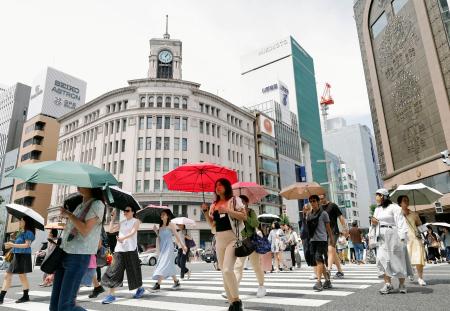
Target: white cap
383, 191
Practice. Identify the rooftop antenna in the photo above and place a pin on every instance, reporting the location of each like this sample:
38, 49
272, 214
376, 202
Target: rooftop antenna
166, 35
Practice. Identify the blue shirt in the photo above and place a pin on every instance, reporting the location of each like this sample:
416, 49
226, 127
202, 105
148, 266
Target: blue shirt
21, 239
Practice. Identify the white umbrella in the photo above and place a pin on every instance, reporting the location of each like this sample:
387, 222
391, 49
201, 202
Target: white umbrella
438, 224
19, 211
183, 221
419, 194
268, 218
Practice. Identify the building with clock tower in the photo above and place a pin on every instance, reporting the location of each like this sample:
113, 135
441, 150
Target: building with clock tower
165, 58
152, 125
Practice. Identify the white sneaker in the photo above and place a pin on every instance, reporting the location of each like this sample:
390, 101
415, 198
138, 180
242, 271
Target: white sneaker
421, 282
261, 292
313, 276
411, 278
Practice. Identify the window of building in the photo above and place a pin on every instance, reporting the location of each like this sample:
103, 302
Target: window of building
141, 124
184, 144
115, 167
176, 162
159, 102
139, 165
122, 164
207, 128
176, 102
201, 107
157, 185
36, 140
117, 126
116, 149
379, 25
184, 103
201, 126
218, 131
168, 102
176, 143
124, 125
142, 102
151, 101
207, 109
167, 123
213, 149
183, 161
184, 124
146, 185
159, 121
397, 5
201, 146
158, 143
218, 150
166, 164
123, 145
207, 147
138, 186
177, 123
149, 122
158, 164
148, 143
166, 143
147, 164
140, 143
213, 130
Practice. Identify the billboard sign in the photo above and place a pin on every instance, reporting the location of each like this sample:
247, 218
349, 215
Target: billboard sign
266, 126
9, 164
55, 93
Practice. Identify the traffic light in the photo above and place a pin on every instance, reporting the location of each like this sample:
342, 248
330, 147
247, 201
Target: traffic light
444, 157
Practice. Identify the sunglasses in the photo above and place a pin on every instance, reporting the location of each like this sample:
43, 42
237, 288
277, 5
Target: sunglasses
127, 211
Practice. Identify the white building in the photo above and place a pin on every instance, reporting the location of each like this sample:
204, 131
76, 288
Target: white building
350, 191
355, 145
153, 125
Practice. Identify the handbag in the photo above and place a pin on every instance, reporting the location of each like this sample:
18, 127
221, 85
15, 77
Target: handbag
53, 260
189, 243
373, 237
242, 247
9, 256
262, 244
416, 231
101, 257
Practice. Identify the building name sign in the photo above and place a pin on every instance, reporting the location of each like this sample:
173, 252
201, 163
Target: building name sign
273, 47
66, 90
274, 87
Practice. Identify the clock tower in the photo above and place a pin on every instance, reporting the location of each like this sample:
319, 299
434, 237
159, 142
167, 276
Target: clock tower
165, 57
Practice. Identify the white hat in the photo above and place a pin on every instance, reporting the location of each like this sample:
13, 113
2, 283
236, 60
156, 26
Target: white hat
383, 192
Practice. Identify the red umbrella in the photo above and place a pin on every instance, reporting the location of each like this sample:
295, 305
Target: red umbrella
252, 190
198, 177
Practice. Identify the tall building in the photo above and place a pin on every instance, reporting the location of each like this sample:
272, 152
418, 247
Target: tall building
13, 111
54, 94
153, 125
287, 61
286, 160
405, 51
361, 157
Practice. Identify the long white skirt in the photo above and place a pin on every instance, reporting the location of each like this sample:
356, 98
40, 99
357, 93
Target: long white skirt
392, 255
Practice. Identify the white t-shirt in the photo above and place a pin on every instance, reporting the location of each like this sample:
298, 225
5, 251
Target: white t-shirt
129, 244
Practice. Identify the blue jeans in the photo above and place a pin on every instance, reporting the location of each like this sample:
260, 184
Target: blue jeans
359, 250
67, 282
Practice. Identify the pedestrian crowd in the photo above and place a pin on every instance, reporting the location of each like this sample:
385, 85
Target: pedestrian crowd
395, 236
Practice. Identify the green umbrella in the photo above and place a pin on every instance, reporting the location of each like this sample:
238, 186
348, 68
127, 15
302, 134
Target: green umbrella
64, 173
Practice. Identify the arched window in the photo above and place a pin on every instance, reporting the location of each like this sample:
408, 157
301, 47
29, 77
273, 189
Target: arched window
184, 103
168, 101
176, 102
142, 102
151, 101
159, 102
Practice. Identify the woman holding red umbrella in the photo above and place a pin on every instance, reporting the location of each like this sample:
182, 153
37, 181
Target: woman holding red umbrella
224, 215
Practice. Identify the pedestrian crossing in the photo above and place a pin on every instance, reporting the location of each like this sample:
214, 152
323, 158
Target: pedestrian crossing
288, 290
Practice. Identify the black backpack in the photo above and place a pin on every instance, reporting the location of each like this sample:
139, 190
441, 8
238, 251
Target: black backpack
313, 222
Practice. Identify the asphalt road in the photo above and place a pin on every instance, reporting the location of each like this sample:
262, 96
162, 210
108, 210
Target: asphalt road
286, 291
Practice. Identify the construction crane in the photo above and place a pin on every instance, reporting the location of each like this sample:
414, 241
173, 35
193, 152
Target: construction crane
325, 101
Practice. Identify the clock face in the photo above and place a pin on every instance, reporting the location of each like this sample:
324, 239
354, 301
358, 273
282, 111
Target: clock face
165, 56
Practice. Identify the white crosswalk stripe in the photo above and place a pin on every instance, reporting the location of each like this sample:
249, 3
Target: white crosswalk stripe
290, 289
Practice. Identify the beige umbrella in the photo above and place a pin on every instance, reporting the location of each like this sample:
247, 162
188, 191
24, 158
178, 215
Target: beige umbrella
301, 190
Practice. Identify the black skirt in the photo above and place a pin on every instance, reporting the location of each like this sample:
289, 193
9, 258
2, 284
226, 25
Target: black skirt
21, 264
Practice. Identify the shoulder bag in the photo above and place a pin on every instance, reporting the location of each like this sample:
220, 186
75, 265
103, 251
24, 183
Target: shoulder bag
242, 247
53, 259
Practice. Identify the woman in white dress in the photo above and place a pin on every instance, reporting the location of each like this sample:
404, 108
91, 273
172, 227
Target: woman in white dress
392, 256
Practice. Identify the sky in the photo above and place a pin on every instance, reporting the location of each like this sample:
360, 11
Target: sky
106, 42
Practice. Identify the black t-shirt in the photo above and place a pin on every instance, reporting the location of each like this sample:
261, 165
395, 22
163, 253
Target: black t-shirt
333, 212
222, 221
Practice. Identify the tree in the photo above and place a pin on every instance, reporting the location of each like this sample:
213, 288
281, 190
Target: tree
284, 219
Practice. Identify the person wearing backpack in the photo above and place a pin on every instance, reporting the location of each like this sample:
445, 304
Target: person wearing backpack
319, 230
